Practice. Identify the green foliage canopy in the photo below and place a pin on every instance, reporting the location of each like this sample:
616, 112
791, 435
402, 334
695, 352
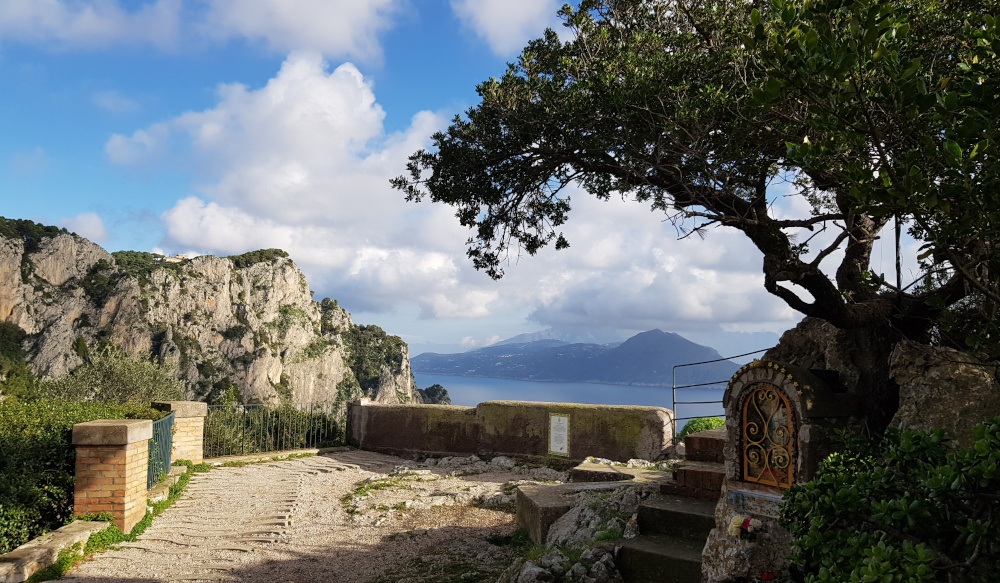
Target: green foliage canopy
871, 110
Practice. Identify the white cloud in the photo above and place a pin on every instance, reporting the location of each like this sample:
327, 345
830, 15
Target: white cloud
88, 225
335, 28
508, 25
332, 27
115, 102
303, 163
147, 145
96, 23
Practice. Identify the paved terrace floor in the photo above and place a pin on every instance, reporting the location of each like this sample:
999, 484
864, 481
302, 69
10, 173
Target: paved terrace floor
285, 522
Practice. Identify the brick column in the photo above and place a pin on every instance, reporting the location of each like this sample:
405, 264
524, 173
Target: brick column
189, 428
112, 458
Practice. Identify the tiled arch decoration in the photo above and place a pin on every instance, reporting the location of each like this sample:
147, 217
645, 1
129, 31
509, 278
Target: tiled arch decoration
778, 417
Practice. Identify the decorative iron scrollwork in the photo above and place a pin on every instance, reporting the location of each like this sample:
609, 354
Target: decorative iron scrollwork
768, 431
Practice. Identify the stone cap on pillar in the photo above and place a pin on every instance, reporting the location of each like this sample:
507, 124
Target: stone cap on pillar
183, 408
112, 431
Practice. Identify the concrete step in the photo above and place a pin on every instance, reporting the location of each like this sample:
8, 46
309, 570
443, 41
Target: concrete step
678, 517
591, 472
539, 505
660, 559
706, 446
696, 479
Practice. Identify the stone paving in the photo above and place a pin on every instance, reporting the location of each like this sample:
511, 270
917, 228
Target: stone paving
284, 521
224, 516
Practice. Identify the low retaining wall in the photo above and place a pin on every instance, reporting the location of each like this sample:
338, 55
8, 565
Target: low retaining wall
617, 432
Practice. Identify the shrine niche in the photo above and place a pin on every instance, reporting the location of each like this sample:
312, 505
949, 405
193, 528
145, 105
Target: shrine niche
779, 423
779, 418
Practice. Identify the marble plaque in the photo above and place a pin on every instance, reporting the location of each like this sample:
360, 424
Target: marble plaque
559, 434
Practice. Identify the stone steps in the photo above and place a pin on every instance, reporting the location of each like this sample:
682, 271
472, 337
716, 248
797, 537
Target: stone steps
660, 558
674, 527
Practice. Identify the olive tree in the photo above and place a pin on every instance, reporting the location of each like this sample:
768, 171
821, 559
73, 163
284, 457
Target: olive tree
875, 112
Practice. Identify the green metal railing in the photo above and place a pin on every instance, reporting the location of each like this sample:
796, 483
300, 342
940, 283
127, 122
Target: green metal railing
160, 447
242, 429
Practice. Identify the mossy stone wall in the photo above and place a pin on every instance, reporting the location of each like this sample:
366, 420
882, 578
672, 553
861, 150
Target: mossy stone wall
615, 432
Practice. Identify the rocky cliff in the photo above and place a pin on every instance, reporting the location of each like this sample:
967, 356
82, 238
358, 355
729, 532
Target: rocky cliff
248, 320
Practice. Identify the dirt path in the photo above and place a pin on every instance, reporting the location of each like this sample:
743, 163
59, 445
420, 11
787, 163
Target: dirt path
286, 522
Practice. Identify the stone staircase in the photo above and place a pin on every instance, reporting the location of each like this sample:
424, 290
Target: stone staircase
673, 527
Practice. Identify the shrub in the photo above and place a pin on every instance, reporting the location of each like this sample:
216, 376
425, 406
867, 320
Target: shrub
111, 376
701, 424
37, 462
907, 508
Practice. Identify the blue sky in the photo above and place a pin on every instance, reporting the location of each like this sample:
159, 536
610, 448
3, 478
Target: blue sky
222, 126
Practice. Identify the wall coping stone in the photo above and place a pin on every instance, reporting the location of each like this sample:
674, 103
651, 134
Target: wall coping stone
183, 409
39, 553
112, 431
550, 404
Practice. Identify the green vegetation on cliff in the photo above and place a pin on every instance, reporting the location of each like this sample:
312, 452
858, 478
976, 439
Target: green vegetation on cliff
259, 256
30, 232
370, 348
16, 378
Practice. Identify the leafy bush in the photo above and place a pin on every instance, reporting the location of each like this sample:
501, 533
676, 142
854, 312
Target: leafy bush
37, 462
259, 256
111, 376
701, 424
908, 508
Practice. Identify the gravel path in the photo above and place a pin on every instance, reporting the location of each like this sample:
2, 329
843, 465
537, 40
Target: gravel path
285, 521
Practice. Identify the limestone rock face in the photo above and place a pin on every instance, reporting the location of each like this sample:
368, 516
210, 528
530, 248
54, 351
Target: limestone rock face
859, 358
255, 326
943, 388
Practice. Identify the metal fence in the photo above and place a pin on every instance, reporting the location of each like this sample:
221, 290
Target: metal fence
242, 429
711, 390
160, 448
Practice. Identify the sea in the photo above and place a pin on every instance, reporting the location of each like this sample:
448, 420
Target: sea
470, 391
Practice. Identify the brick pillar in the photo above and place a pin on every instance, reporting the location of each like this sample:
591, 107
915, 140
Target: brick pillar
112, 458
189, 429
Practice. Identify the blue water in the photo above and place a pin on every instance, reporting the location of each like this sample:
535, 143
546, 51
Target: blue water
470, 391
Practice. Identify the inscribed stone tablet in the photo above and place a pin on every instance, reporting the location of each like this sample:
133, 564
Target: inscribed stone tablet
559, 434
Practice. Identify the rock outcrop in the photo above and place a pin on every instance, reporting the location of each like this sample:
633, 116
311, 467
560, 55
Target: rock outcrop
943, 388
248, 321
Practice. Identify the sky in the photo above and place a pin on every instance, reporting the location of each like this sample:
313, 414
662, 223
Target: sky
224, 126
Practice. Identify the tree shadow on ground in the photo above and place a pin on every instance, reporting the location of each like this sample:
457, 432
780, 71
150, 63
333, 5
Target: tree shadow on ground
441, 555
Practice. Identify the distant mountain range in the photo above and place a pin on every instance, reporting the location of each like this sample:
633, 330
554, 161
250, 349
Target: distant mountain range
647, 358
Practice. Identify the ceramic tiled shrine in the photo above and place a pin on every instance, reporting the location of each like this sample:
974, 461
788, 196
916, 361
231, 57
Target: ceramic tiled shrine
779, 419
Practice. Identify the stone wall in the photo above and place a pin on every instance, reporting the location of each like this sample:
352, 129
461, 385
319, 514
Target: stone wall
511, 428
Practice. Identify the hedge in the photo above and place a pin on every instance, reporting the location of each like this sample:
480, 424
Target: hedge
37, 462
